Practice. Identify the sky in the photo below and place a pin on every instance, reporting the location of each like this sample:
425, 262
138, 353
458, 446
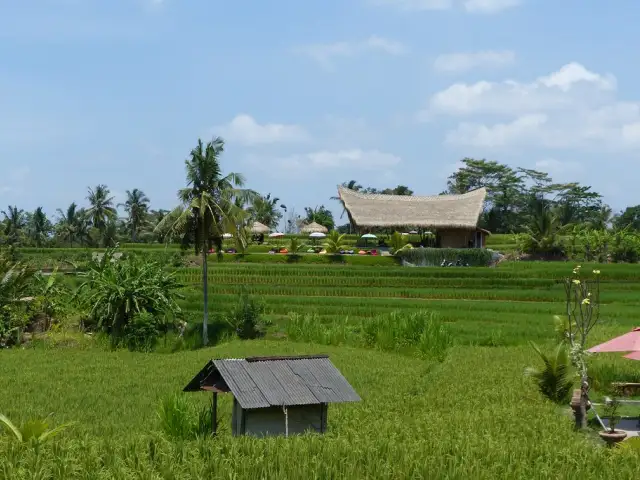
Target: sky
309, 94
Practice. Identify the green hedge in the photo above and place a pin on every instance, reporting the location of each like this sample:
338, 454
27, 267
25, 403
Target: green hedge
430, 257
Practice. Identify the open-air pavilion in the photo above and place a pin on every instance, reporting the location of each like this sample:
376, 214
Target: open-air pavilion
453, 218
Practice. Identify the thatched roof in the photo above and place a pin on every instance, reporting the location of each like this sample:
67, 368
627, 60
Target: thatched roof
258, 227
314, 227
435, 211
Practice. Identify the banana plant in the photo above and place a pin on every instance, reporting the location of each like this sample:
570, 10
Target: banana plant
398, 243
34, 431
51, 292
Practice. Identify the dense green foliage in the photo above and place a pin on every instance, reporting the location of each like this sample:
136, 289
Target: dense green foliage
431, 257
554, 380
116, 291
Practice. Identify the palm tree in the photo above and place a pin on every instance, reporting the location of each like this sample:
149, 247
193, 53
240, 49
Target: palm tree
14, 223
351, 185
67, 223
602, 218
39, 227
335, 242
544, 228
265, 210
137, 208
101, 209
83, 227
208, 208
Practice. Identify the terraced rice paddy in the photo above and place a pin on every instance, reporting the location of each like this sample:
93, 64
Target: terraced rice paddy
509, 304
471, 414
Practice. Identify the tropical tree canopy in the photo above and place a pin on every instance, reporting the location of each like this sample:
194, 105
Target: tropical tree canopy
267, 210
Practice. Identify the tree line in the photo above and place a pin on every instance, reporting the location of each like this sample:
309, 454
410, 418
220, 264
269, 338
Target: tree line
515, 200
515, 197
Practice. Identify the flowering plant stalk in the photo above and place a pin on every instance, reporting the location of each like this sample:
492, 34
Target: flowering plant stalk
583, 314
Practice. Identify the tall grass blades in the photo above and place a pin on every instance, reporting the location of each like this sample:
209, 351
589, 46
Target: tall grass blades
418, 332
180, 418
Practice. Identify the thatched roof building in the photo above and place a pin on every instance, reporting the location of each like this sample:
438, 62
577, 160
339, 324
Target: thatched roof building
258, 228
314, 227
454, 217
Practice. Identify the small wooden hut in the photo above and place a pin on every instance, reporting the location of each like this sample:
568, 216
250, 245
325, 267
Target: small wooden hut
314, 227
275, 395
453, 217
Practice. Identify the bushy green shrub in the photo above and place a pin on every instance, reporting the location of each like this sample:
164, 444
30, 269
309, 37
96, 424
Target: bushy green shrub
246, 318
554, 379
15, 281
114, 291
431, 257
142, 332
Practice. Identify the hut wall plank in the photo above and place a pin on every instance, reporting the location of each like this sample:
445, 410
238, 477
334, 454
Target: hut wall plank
262, 422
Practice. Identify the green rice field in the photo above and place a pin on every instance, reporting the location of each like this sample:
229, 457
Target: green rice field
470, 415
509, 304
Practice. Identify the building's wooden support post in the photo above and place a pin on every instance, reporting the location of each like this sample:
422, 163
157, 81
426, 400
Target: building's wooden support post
214, 414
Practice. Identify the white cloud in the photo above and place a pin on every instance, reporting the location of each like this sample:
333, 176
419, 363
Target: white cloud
489, 6
325, 53
343, 159
470, 6
631, 133
563, 89
498, 135
557, 167
570, 108
462, 62
245, 130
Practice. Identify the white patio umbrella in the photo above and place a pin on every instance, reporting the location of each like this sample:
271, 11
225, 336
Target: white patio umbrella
367, 236
276, 235
316, 235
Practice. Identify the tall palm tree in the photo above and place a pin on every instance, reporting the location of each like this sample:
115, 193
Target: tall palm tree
39, 227
265, 210
351, 185
544, 227
208, 208
602, 218
137, 208
67, 223
101, 208
15, 221
83, 227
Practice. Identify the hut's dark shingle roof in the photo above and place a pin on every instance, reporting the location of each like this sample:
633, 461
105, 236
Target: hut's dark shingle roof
278, 381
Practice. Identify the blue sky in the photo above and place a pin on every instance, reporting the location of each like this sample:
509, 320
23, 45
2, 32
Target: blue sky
310, 94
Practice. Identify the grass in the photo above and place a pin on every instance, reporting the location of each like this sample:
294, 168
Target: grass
437, 355
418, 419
